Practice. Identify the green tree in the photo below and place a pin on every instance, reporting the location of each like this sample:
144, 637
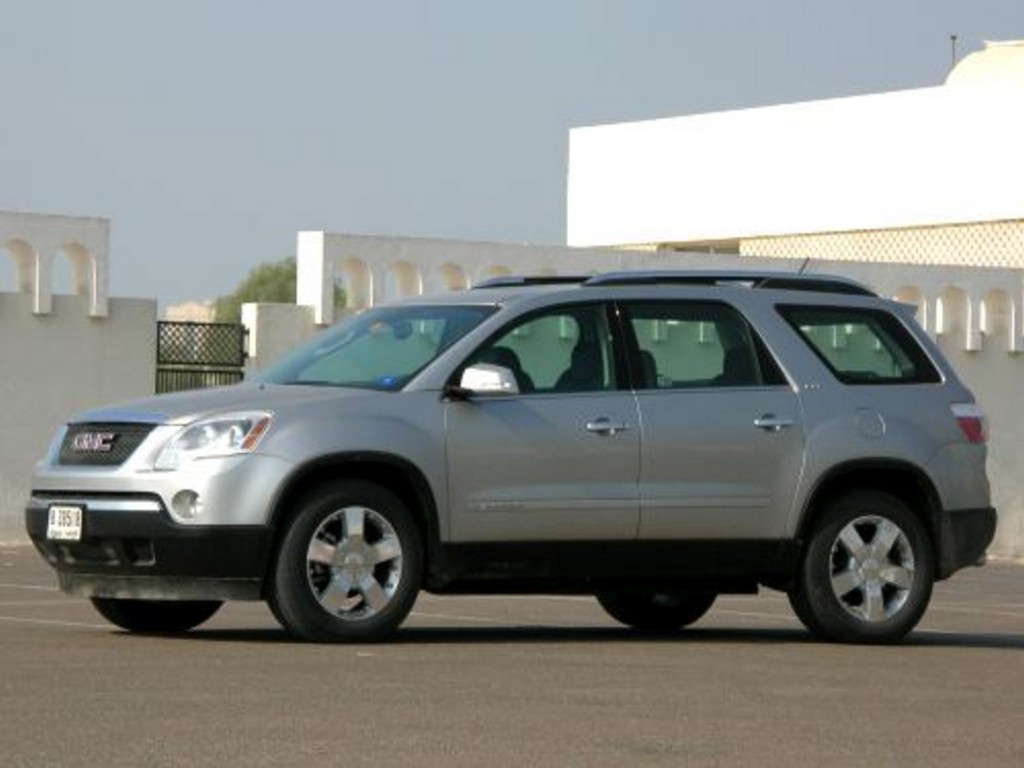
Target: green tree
272, 281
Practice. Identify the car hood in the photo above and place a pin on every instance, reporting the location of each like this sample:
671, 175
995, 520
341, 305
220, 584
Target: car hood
186, 407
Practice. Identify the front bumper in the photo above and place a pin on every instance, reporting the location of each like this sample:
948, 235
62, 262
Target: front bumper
963, 535
131, 548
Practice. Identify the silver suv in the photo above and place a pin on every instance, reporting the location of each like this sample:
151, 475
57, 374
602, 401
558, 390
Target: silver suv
652, 438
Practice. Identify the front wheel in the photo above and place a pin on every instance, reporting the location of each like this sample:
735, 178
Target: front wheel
349, 566
656, 611
867, 574
156, 616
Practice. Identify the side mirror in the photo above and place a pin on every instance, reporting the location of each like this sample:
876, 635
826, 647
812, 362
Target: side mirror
488, 379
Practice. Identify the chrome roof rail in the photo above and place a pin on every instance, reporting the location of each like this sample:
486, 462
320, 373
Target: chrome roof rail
787, 281
514, 281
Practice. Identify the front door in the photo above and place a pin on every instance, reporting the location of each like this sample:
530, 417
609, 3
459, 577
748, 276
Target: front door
560, 459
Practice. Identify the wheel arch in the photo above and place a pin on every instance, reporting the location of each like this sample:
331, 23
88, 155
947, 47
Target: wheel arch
905, 481
394, 473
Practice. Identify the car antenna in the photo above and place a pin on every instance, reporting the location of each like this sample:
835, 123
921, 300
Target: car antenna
804, 266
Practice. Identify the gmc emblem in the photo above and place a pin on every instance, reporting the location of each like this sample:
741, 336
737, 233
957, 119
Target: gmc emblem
94, 442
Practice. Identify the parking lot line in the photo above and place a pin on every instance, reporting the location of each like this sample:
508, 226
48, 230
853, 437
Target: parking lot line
53, 622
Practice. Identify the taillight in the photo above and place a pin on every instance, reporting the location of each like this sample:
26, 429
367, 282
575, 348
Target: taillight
971, 421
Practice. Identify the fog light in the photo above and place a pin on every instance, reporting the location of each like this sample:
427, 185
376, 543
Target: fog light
186, 505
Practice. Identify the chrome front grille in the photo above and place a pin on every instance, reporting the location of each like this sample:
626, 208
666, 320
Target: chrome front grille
101, 444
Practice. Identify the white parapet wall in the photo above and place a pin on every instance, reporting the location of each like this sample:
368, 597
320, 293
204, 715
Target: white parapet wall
35, 241
57, 363
273, 329
376, 269
60, 353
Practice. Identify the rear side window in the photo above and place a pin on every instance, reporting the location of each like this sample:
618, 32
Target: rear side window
691, 344
862, 346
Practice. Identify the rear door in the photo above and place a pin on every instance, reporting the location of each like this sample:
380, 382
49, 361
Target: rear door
723, 438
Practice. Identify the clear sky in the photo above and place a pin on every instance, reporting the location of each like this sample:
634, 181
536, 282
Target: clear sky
211, 131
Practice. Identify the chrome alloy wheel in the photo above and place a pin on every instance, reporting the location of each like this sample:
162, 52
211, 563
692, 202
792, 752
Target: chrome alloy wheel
872, 568
354, 563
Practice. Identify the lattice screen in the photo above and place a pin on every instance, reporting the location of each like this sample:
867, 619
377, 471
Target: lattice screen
993, 244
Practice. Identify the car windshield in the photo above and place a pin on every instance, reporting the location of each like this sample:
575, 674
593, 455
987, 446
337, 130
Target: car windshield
378, 349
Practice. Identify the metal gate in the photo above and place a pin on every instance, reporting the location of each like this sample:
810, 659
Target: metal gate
195, 355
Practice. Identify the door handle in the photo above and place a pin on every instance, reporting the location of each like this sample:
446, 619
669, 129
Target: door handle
605, 426
769, 422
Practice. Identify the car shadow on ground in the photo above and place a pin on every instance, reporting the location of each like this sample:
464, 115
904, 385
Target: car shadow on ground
441, 636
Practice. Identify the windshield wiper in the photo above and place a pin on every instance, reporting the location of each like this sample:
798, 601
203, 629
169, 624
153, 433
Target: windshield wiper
314, 383
335, 384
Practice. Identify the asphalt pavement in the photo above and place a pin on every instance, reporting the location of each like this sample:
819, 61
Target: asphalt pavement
512, 681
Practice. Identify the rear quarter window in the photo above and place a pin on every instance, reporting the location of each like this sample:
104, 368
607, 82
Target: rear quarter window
862, 346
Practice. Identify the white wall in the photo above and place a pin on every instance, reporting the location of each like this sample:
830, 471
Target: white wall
998, 383
52, 365
273, 330
376, 269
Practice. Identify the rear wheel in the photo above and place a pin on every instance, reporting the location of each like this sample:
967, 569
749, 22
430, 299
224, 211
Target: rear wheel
156, 616
868, 571
656, 611
349, 566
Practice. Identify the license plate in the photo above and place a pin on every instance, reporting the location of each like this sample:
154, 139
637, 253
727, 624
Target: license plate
65, 523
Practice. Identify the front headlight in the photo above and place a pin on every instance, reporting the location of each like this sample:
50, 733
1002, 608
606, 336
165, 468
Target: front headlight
224, 435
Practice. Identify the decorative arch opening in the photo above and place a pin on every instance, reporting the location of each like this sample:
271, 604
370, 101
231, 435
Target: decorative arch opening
74, 270
17, 267
951, 311
452, 277
911, 294
956, 317
402, 280
357, 280
998, 318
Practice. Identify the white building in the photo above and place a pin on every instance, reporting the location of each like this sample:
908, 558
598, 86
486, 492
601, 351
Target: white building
926, 176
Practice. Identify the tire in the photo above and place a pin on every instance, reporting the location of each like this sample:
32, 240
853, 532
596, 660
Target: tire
156, 616
656, 611
349, 566
867, 573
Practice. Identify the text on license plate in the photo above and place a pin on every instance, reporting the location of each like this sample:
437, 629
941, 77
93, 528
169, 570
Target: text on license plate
65, 523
